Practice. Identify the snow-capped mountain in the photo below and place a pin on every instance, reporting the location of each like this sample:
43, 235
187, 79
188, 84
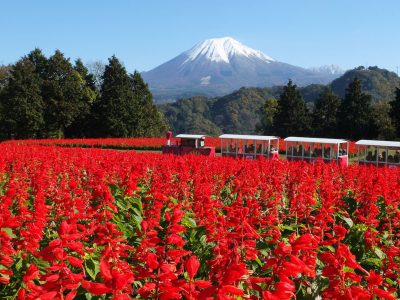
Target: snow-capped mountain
329, 69
218, 66
222, 50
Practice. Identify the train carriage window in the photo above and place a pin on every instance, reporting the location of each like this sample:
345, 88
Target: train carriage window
362, 152
382, 155
188, 142
371, 153
391, 155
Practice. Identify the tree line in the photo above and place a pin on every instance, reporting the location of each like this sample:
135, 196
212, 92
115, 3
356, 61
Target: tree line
50, 97
352, 117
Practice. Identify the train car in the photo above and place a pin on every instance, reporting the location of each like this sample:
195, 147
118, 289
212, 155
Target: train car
317, 149
249, 146
378, 153
188, 144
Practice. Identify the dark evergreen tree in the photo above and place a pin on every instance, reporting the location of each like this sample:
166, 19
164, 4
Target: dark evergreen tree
383, 124
22, 103
267, 118
395, 112
64, 95
324, 123
116, 108
148, 120
292, 117
80, 127
40, 62
356, 120
4, 76
86, 76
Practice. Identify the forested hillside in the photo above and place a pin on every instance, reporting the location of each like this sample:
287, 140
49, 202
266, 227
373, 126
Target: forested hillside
240, 111
379, 83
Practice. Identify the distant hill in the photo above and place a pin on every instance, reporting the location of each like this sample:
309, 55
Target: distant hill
219, 66
379, 83
239, 112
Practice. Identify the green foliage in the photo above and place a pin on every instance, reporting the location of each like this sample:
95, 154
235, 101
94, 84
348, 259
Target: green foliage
268, 114
191, 116
149, 122
125, 108
395, 112
4, 76
384, 128
356, 113
129, 216
293, 116
44, 97
325, 114
238, 112
80, 127
63, 94
379, 83
22, 103
116, 107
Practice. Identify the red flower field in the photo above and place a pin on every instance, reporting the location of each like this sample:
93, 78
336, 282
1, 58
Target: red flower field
134, 143
85, 223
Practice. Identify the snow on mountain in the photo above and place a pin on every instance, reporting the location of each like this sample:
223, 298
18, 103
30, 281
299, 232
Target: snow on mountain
222, 50
219, 66
331, 69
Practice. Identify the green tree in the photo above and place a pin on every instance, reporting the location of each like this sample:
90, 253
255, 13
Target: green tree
324, 117
148, 121
395, 112
40, 62
63, 91
116, 108
292, 117
80, 127
4, 76
356, 114
268, 115
22, 102
384, 128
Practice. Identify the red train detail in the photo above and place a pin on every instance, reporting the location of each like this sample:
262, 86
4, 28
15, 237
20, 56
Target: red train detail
189, 144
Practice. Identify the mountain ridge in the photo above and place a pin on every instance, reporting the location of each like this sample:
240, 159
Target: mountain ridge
216, 67
238, 112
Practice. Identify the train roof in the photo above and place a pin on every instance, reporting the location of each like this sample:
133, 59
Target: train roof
378, 143
248, 137
314, 140
191, 136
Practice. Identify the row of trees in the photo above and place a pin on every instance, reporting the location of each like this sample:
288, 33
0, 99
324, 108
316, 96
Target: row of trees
353, 117
44, 97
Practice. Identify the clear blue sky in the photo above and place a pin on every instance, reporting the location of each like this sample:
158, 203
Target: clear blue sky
144, 34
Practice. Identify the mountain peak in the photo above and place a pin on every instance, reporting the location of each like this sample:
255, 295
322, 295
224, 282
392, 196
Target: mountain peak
328, 69
222, 50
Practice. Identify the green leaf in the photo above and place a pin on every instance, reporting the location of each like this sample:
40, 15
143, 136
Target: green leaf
18, 265
173, 200
188, 222
376, 262
390, 281
286, 227
92, 268
9, 232
379, 253
259, 261
349, 221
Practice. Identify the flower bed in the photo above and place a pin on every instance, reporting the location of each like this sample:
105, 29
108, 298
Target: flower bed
133, 143
89, 222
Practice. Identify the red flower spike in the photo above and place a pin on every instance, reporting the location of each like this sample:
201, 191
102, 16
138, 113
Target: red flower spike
192, 265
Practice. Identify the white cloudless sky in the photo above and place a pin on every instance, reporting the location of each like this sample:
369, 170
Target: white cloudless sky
144, 34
